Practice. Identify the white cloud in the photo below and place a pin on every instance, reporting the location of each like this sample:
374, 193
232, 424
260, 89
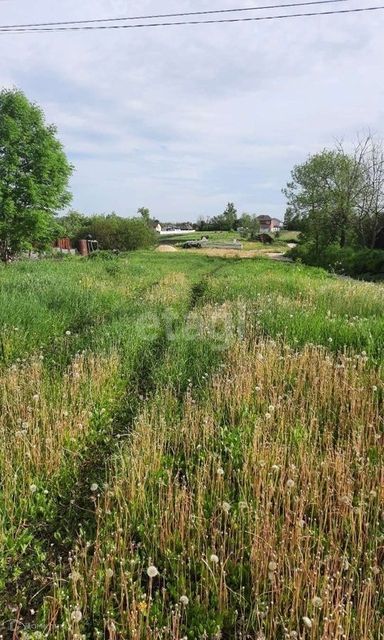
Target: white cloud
185, 118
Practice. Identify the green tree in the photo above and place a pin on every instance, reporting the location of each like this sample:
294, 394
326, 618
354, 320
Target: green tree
229, 217
34, 174
250, 226
322, 196
72, 224
144, 212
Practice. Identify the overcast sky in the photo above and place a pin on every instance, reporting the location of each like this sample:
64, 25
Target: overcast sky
184, 119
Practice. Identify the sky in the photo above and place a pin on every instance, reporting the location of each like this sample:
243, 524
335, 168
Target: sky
184, 119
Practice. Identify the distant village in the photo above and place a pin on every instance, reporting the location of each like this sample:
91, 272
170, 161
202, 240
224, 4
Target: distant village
267, 225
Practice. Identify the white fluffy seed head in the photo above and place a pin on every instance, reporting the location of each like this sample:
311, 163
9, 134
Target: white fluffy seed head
307, 622
214, 558
76, 615
184, 600
152, 571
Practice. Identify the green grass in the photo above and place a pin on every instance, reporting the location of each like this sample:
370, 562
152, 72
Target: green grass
140, 372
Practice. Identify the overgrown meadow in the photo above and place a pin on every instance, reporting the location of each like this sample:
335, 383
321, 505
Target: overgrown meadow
191, 448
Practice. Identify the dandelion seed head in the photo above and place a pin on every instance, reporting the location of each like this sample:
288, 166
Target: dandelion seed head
317, 602
226, 507
76, 615
290, 483
152, 571
184, 600
94, 487
33, 488
307, 621
214, 558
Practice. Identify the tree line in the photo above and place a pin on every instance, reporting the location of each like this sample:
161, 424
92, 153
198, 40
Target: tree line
247, 224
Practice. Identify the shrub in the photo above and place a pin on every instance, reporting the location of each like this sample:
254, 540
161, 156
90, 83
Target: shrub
346, 260
122, 234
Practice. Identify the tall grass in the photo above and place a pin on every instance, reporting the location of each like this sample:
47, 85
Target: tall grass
214, 423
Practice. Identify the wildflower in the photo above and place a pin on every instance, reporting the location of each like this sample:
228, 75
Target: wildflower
143, 607
307, 622
290, 483
373, 493
184, 600
272, 566
76, 615
293, 635
375, 571
374, 388
94, 487
257, 388
226, 507
317, 602
220, 471
275, 468
67, 333
33, 488
271, 408
214, 558
35, 397
152, 571
109, 573
268, 416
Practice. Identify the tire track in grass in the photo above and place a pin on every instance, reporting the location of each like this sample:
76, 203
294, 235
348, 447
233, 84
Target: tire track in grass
74, 510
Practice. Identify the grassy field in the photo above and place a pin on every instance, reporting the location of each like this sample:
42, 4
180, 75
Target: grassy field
279, 244
191, 448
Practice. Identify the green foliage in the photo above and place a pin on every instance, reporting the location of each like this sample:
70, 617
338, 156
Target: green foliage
347, 260
71, 224
321, 197
144, 213
250, 226
34, 174
121, 234
223, 222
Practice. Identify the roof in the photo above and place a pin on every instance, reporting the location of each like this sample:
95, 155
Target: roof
264, 218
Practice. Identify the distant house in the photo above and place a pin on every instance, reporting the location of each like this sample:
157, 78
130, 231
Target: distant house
269, 225
158, 228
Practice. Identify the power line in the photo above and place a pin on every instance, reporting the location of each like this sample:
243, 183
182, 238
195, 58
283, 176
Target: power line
172, 15
194, 22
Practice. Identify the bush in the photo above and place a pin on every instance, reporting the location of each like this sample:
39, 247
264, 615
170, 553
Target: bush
347, 260
120, 234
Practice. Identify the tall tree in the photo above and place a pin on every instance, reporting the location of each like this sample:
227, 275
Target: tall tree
229, 217
144, 213
34, 174
322, 195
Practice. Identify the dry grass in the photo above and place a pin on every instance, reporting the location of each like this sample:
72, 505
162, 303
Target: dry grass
43, 421
261, 503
